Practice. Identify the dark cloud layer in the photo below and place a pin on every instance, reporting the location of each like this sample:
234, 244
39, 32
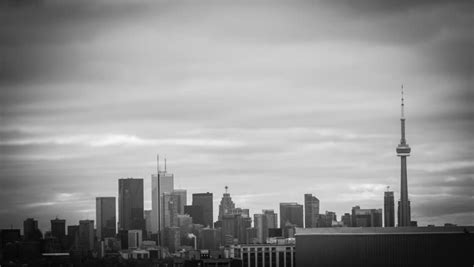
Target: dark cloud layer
250, 94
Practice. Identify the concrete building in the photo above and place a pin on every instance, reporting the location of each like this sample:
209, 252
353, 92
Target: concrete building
311, 209
131, 204
135, 239
262, 255
226, 206
407, 246
105, 217
403, 151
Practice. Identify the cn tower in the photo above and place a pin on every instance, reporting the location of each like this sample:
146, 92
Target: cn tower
403, 151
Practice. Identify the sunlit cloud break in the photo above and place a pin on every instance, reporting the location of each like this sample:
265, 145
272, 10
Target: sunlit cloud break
103, 140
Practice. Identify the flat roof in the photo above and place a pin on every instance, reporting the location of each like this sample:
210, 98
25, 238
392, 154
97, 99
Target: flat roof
383, 230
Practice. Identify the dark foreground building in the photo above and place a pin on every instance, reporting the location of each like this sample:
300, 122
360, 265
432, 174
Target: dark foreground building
407, 246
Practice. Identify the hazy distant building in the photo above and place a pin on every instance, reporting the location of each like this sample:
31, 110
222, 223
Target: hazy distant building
226, 206
195, 212
147, 215
346, 220
172, 238
262, 222
105, 217
205, 202
311, 209
58, 228
86, 235
403, 151
169, 210
389, 209
366, 217
131, 204
291, 213
31, 231
210, 238
73, 236
180, 197
135, 239
166, 185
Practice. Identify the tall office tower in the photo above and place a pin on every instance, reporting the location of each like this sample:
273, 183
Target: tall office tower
169, 210
73, 236
227, 206
291, 213
366, 217
105, 217
311, 209
166, 185
403, 151
204, 200
147, 215
30, 230
86, 235
389, 209
58, 228
131, 204
179, 195
263, 222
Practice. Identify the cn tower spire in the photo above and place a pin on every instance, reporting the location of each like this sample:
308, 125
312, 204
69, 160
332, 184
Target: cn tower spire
403, 151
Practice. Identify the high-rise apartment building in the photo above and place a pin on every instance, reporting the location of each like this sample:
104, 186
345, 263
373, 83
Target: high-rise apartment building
105, 217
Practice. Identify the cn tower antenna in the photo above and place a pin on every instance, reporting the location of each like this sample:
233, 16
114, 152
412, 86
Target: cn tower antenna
403, 105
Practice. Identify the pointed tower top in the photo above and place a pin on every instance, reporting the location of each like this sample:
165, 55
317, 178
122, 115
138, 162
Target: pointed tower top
165, 164
403, 105
226, 187
158, 163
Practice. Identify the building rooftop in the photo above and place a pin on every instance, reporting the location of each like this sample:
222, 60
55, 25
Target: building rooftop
383, 230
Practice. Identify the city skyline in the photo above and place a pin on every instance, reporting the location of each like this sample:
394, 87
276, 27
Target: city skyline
301, 99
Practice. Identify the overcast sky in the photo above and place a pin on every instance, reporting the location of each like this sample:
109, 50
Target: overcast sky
274, 99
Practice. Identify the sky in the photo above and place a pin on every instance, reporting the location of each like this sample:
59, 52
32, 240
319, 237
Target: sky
274, 99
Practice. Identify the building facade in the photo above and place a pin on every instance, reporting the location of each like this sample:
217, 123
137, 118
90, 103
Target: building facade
105, 217
311, 209
131, 204
291, 213
273, 255
205, 202
389, 209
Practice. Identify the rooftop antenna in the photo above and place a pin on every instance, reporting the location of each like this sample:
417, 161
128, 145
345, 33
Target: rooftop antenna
159, 196
226, 187
388, 188
165, 164
403, 105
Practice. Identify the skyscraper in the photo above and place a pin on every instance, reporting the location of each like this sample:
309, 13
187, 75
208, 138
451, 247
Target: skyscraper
131, 204
166, 185
389, 209
105, 217
204, 200
403, 151
31, 231
179, 196
58, 228
227, 205
311, 209
86, 235
291, 214
263, 222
